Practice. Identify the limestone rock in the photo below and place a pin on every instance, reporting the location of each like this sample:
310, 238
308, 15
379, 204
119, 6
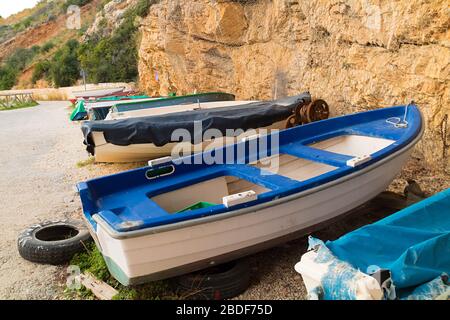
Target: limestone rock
357, 55
108, 19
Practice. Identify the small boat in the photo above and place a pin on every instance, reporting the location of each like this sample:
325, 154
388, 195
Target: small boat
98, 93
403, 256
174, 100
150, 137
180, 215
114, 114
99, 109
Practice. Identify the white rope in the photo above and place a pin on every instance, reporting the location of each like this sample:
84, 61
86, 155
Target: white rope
397, 121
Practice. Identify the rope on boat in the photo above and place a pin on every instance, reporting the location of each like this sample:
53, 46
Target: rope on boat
397, 121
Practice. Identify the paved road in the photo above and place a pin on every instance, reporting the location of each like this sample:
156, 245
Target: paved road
39, 148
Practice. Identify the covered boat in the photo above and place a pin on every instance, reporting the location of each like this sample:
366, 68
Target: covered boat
144, 138
174, 100
403, 256
98, 93
99, 109
181, 215
116, 115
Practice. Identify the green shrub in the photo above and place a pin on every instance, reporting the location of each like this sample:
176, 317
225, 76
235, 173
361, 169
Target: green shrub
35, 50
115, 58
8, 77
20, 58
41, 71
14, 65
79, 3
111, 59
142, 7
65, 67
47, 47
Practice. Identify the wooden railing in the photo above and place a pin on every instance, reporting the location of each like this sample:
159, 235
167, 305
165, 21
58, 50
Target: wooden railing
10, 100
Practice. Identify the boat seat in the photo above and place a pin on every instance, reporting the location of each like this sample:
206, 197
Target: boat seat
317, 155
134, 214
269, 180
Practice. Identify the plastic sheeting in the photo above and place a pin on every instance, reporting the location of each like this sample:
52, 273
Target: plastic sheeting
79, 113
338, 279
413, 244
158, 129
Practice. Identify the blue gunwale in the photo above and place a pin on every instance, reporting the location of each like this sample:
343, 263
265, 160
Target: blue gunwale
123, 200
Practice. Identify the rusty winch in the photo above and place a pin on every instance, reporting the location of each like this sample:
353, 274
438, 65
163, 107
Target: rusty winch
306, 113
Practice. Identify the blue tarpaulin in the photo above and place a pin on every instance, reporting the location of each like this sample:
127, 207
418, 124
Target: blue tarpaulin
413, 244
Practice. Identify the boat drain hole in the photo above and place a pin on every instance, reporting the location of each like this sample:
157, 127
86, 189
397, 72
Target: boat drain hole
56, 233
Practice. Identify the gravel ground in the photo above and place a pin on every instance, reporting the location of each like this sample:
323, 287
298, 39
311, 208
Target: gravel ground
40, 151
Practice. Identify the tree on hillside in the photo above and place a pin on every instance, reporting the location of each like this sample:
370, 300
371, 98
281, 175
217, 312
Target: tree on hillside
8, 78
65, 68
14, 65
41, 70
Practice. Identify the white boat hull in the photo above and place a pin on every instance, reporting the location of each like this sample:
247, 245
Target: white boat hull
186, 248
172, 109
108, 152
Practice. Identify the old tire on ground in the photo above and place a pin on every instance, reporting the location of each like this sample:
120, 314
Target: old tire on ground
220, 282
53, 242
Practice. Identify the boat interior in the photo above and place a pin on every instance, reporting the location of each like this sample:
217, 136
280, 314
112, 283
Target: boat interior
281, 166
175, 192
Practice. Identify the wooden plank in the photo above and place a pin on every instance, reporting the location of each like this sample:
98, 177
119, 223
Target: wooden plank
101, 290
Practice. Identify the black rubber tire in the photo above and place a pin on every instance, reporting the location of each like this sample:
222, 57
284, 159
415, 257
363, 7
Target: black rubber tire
53, 242
216, 283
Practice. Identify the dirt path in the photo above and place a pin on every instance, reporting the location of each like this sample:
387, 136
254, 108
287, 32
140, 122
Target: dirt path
38, 147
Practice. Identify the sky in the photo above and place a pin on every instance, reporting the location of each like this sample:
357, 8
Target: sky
8, 7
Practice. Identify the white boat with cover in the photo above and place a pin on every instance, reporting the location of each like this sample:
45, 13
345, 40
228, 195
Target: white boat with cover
147, 133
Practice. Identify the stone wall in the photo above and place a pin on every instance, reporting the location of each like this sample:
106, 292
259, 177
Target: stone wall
357, 55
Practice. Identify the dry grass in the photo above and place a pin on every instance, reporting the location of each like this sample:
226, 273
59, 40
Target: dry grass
51, 95
84, 163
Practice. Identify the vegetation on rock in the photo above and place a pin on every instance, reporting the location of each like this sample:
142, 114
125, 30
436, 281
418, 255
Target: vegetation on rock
115, 58
65, 68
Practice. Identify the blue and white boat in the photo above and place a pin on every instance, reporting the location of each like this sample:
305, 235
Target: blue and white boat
180, 215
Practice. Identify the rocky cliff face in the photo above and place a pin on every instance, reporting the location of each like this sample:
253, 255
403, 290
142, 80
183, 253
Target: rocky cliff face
357, 55
108, 19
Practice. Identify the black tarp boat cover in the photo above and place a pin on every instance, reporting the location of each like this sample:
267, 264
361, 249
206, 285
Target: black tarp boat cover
158, 129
